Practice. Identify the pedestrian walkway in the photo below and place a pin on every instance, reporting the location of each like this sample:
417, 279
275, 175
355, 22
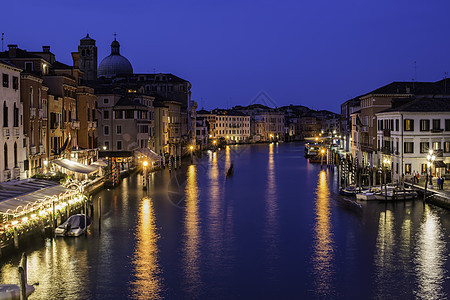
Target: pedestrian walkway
443, 193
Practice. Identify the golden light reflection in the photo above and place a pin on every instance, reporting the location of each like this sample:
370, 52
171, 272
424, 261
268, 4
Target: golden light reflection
430, 258
192, 236
271, 229
147, 284
323, 254
384, 260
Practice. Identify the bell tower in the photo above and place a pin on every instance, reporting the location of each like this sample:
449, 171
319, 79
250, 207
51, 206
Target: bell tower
88, 58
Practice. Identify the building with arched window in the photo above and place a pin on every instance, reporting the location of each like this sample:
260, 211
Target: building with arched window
11, 136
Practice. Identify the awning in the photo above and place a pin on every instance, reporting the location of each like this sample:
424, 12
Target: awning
20, 193
75, 167
149, 153
100, 163
439, 164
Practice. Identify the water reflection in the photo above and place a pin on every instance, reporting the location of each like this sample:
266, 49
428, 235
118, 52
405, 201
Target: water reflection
323, 254
147, 283
192, 237
271, 224
430, 258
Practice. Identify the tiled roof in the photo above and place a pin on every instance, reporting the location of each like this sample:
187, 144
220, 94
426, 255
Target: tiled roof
422, 104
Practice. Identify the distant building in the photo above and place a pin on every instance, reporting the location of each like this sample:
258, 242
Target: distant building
88, 58
347, 109
232, 125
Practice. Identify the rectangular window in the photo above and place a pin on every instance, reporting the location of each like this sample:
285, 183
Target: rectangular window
436, 145
447, 147
106, 130
119, 145
15, 82
129, 114
424, 125
105, 101
118, 114
447, 124
436, 124
396, 124
5, 80
407, 168
409, 147
105, 114
408, 125
119, 129
107, 145
29, 66
423, 169
424, 146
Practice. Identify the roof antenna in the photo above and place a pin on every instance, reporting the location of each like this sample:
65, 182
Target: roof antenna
2, 40
445, 83
115, 35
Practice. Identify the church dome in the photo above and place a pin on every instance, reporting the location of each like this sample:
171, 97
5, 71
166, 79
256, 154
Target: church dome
114, 64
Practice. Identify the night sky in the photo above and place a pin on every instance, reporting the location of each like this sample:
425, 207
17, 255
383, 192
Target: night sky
311, 52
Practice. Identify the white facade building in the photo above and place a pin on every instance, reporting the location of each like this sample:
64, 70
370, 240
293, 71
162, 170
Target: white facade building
232, 125
406, 133
11, 137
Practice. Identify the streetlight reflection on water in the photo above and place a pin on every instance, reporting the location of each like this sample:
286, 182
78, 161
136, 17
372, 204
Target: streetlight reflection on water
323, 252
147, 283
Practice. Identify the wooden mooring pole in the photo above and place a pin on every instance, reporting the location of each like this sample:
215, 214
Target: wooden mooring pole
99, 214
23, 277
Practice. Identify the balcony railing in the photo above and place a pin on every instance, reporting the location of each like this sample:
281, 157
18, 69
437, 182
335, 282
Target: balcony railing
32, 112
386, 150
7, 175
6, 132
437, 130
92, 124
16, 131
42, 114
76, 124
17, 173
41, 149
32, 150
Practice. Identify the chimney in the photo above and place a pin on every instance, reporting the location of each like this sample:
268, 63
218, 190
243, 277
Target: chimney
12, 50
75, 58
46, 49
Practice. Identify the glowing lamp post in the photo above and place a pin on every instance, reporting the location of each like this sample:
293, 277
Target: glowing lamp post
144, 185
192, 155
322, 152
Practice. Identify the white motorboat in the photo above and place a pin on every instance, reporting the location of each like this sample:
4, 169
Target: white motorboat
366, 196
74, 226
396, 194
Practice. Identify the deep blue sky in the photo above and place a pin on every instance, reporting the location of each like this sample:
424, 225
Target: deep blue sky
317, 53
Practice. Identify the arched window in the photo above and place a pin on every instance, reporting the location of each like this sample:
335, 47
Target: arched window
5, 156
16, 115
15, 154
5, 115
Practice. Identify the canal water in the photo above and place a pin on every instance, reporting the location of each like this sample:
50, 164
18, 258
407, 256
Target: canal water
276, 229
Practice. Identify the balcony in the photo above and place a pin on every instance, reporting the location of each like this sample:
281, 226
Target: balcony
16, 131
6, 132
17, 173
76, 124
387, 151
32, 150
7, 175
32, 112
42, 114
437, 130
41, 149
92, 124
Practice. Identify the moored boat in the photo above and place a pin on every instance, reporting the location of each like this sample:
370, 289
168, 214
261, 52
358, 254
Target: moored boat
12, 291
74, 226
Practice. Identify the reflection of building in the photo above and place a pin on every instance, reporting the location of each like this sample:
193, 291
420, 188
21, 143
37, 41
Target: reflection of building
409, 129
11, 137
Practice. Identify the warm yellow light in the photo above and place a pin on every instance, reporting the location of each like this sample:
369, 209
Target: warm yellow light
14, 223
214, 142
33, 216
228, 137
323, 151
210, 136
24, 219
317, 138
145, 163
104, 147
191, 147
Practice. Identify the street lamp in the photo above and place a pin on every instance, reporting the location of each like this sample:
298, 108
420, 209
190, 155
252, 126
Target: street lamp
192, 155
386, 163
430, 159
322, 152
144, 185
